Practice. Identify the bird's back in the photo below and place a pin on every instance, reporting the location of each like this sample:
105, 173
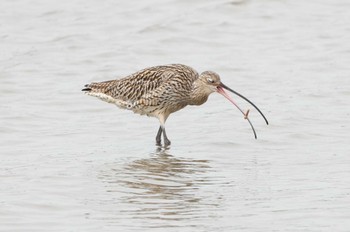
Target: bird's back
164, 87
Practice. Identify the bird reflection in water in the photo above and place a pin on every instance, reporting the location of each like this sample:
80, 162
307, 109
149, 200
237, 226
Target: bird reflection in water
161, 187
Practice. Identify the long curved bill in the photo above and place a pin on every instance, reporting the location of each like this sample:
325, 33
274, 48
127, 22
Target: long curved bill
221, 91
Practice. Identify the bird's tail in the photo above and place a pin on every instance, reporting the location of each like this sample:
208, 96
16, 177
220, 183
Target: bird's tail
100, 90
97, 87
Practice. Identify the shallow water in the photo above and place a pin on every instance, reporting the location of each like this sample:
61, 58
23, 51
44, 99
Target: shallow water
70, 162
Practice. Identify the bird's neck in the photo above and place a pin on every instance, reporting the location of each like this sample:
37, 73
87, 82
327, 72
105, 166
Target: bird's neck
199, 95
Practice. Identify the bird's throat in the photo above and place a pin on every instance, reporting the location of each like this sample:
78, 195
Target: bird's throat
199, 94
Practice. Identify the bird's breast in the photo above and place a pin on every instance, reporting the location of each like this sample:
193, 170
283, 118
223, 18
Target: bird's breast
198, 99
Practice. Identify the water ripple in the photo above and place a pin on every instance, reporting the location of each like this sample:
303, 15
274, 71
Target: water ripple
161, 187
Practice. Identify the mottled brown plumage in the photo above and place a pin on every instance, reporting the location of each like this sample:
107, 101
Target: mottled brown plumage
159, 91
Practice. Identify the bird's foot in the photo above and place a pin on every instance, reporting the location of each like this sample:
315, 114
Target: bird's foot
167, 143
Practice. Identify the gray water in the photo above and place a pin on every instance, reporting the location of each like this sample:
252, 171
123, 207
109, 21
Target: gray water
70, 162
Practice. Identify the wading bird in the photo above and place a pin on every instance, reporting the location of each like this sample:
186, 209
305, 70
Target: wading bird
161, 90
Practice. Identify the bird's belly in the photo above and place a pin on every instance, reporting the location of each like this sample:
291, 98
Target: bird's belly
155, 111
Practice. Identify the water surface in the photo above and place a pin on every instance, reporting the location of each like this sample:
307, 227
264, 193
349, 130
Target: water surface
70, 162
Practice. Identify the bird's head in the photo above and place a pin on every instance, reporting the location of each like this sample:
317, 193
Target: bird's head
212, 83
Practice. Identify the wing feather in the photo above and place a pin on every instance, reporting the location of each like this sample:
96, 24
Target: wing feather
145, 87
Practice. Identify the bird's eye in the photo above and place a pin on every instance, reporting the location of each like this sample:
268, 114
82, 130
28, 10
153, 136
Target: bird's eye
210, 80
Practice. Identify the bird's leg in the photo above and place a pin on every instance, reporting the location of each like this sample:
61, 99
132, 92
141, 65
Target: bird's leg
158, 137
166, 140
162, 118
